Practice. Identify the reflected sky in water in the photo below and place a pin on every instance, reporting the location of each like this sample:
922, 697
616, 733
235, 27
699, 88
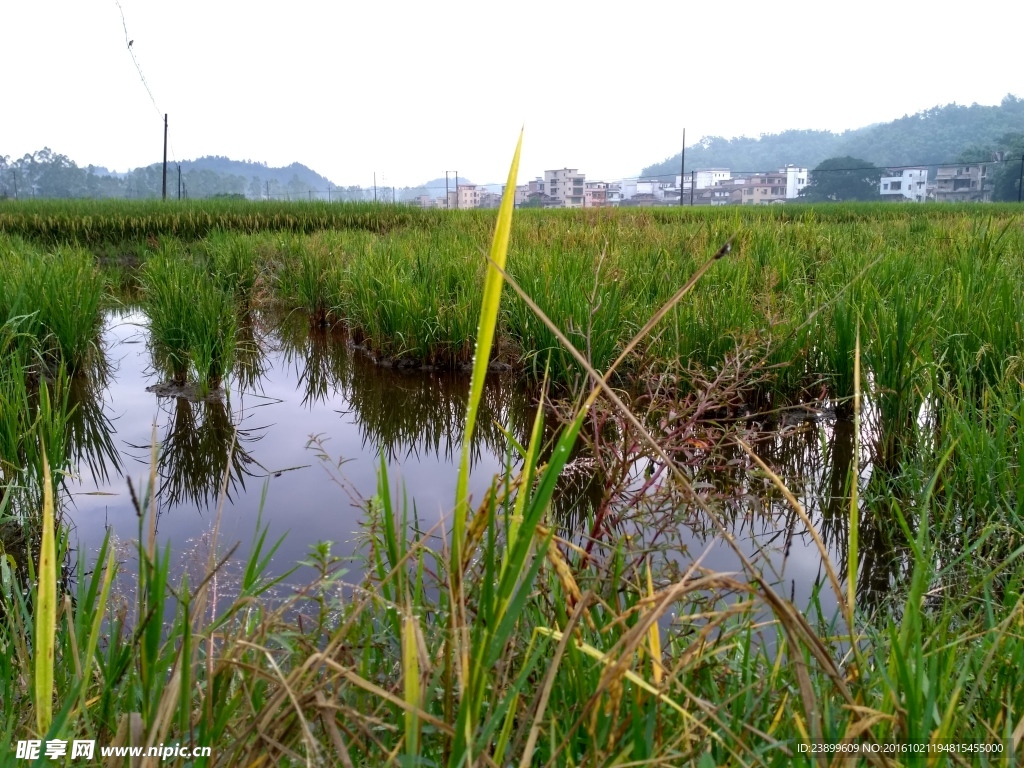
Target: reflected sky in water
292, 385
308, 386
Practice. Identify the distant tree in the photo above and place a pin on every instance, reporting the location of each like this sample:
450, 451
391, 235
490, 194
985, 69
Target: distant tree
842, 178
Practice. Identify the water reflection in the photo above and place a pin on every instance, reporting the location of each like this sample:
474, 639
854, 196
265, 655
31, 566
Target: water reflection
202, 449
406, 414
89, 428
250, 364
290, 383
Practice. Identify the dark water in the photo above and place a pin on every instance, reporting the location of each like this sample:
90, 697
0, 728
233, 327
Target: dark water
297, 396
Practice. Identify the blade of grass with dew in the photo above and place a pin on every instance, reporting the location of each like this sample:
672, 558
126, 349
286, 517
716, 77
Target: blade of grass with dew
45, 610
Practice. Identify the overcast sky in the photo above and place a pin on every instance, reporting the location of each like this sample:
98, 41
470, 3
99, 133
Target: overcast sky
410, 90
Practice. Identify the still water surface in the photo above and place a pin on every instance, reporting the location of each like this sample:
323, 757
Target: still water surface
297, 395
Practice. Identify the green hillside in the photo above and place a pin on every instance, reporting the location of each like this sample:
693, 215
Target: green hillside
937, 135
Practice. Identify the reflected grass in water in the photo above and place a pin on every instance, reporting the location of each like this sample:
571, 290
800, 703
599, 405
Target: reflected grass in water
202, 447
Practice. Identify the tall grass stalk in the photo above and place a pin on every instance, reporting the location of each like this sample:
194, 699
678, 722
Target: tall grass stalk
45, 609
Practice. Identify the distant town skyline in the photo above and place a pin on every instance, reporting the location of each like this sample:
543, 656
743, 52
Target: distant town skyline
408, 90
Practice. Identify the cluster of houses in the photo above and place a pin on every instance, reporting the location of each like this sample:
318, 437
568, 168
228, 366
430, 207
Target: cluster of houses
569, 188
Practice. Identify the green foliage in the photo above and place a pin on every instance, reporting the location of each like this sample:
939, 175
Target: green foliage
842, 179
94, 223
193, 320
55, 296
936, 135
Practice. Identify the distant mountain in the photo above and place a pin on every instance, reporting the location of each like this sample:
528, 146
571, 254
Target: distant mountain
937, 135
49, 174
252, 179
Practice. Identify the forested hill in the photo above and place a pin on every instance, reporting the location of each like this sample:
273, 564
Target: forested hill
247, 169
936, 135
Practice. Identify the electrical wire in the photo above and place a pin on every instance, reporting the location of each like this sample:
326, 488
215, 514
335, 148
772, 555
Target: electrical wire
138, 68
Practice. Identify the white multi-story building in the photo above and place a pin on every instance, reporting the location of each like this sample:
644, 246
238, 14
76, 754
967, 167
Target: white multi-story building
904, 184
796, 179
566, 184
710, 177
614, 193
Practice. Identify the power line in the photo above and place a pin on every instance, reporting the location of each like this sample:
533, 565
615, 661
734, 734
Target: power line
128, 44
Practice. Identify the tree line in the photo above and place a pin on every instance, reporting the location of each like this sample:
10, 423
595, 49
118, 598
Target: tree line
50, 174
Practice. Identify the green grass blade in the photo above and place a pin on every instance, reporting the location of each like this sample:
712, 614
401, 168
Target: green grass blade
484, 341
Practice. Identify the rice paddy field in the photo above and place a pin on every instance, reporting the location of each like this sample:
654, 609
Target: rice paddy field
836, 390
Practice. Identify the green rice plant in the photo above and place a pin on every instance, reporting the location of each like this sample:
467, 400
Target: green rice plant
58, 294
98, 222
31, 409
305, 277
412, 298
233, 261
583, 294
898, 355
193, 321
835, 343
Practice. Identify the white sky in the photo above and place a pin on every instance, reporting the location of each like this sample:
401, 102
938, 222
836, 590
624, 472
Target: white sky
410, 90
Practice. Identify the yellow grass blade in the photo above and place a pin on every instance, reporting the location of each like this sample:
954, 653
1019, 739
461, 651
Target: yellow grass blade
46, 610
484, 341
655, 633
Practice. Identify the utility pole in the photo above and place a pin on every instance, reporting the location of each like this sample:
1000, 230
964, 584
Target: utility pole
693, 183
328, 193
456, 190
393, 198
682, 172
446, 189
1020, 179
179, 181
165, 158
375, 186
14, 175
268, 189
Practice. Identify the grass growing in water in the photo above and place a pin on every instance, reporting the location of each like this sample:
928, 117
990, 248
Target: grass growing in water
193, 320
56, 295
